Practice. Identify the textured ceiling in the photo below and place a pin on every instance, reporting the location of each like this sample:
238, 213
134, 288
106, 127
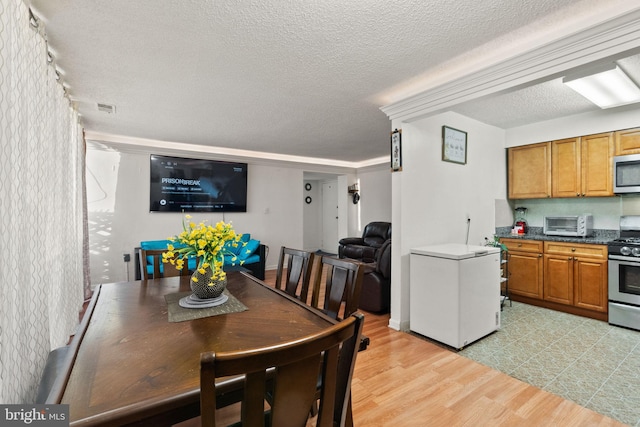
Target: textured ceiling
298, 78
544, 101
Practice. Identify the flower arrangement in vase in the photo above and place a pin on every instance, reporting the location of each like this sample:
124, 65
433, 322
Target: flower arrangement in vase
209, 244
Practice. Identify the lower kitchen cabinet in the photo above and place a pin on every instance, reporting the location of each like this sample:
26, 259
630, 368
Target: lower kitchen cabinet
576, 274
590, 283
569, 277
558, 279
525, 267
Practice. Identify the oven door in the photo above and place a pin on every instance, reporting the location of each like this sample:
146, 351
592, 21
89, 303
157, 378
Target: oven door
624, 279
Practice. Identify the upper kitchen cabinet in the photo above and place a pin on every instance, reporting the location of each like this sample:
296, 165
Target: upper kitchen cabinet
581, 167
572, 167
597, 169
565, 168
530, 171
627, 142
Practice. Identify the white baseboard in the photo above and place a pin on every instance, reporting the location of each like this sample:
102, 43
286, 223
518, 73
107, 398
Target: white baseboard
398, 325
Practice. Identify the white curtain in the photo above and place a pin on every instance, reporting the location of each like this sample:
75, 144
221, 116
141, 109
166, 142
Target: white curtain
41, 214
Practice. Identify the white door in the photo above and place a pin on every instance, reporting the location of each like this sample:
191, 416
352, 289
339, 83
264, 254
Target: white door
330, 217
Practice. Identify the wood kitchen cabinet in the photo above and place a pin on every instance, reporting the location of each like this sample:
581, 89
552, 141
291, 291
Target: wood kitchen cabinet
627, 142
525, 267
530, 171
565, 168
597, 165
570, 277
576, 275
581, 167
558, 279
572, 167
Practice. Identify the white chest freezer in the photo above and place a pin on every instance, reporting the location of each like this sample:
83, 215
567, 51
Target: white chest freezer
454, 292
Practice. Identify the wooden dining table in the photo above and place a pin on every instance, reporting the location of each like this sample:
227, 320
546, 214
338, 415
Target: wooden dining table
132, 366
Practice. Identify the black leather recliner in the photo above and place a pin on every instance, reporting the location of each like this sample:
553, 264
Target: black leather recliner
365, 248
375, 295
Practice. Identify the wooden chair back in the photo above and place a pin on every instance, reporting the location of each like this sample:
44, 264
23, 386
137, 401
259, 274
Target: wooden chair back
342, 287
168, 270
287, 376
294, 272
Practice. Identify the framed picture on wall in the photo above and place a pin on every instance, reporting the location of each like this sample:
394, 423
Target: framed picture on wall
454, 145
396, 150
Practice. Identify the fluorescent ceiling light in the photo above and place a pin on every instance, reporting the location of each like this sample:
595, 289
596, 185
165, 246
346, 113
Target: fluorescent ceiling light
606, 86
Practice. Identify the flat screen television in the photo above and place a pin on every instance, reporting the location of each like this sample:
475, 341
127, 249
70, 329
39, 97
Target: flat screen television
197, 185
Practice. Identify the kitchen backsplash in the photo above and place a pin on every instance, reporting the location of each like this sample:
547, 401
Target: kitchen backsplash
606, 211
597, 232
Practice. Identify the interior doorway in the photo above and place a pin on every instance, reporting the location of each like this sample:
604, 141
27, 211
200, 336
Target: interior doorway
321, 228
330, 217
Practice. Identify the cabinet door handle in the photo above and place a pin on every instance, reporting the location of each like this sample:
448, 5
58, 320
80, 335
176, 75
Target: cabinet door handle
539, 255
569, 258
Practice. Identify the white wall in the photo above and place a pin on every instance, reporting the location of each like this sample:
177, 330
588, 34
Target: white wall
432, 198
119, 217
375, 205
572, 126
312, 217
374, 184
372, 207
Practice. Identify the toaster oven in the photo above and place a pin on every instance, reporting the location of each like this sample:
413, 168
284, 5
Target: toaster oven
572, 226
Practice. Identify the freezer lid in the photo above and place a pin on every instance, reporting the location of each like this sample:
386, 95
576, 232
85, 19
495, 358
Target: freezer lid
455, 251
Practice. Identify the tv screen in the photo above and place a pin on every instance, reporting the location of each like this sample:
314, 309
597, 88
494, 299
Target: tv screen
193, 185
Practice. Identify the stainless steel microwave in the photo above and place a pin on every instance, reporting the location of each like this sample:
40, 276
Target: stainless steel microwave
576, 226
626, 174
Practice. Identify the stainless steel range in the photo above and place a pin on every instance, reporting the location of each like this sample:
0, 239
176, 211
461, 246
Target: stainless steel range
624, 274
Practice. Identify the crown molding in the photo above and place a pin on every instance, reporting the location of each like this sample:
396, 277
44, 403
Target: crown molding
123, 143
608, 40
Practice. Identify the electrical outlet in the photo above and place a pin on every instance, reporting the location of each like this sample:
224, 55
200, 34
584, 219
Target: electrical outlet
127, 257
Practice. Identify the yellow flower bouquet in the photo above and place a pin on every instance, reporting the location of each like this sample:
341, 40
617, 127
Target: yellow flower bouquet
205, 242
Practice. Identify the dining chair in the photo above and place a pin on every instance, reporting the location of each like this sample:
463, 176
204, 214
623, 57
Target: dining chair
342, 287
294, 272
286, 375
151, 259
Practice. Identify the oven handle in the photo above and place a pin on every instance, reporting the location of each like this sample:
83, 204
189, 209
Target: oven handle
625, 258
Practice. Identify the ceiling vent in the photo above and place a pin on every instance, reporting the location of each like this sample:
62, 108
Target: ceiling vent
106, 108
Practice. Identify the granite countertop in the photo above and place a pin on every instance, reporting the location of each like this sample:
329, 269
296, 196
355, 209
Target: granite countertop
599, 236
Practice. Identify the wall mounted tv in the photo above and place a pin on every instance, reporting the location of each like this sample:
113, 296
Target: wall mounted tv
197, 185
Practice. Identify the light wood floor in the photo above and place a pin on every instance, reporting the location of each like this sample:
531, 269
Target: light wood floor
402, 380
